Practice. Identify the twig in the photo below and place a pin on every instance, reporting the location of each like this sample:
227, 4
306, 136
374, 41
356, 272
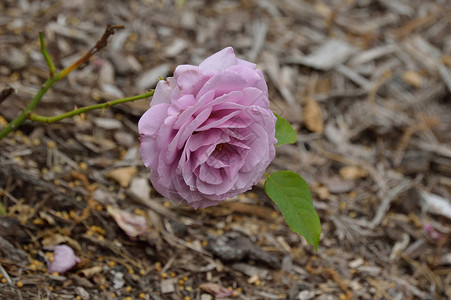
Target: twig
388, 198
81, 110
5, 274
173, 240
46, 55
8, 195
101, 43
30, 107
168, 263
424, 270
440, 149
380, 289
425, 124
119, 251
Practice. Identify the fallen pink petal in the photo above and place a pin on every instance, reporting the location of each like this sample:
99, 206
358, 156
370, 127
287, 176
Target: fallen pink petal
433, 233
216, 290
64, 259
133, 225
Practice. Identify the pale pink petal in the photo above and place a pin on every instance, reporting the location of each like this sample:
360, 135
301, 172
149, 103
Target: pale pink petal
191, 80
181, 69
151, 121
247, 64
220, 60
148, 127
133, 225
64, 259
223, 83
205, 138
216, 290
163, 92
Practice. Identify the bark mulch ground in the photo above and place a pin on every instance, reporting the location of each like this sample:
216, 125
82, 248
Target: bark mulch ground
365, 83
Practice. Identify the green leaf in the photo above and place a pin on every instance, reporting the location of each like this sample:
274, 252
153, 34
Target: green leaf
285, 134
292, 195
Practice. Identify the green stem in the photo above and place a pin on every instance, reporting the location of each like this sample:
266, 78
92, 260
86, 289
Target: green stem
81, 110
30, 107
47, 57
54, 77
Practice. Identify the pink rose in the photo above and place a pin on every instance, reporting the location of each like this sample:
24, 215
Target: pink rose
209, 133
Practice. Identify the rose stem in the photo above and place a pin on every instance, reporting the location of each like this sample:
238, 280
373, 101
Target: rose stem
101, 43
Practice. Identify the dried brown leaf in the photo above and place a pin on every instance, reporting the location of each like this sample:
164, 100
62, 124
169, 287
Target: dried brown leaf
413, 78
313, 118
89, 272
123, 176
352, 172
56, 239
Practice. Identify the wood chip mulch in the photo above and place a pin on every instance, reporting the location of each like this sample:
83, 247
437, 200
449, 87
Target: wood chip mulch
366, 84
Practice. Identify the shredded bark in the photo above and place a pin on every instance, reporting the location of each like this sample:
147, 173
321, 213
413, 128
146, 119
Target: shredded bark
366, 84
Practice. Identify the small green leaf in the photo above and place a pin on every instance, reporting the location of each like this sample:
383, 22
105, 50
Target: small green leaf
292, 195
285, 134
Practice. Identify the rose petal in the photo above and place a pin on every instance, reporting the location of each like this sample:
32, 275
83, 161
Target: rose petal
190, 79
151, 120
187, 129
163, 92
246, 64
216, 290
133, 225
64, 259
220, 60
223, 83
204, 138
148, 127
